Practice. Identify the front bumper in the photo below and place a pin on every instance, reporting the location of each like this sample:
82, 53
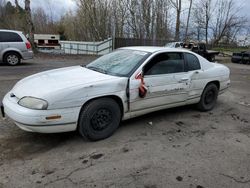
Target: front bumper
35, 120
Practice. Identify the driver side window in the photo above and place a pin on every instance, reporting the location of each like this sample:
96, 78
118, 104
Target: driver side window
165, 63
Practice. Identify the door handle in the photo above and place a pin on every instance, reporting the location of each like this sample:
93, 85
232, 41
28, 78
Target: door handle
183, 80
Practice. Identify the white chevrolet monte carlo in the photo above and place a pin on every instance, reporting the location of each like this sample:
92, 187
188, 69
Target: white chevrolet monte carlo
126, 83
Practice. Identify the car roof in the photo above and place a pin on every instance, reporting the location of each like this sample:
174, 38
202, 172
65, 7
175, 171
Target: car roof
174, 42
13, 31
153, 49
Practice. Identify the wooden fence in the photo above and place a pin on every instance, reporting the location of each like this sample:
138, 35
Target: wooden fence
123, 42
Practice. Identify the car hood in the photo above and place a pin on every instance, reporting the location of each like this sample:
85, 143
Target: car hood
42, 84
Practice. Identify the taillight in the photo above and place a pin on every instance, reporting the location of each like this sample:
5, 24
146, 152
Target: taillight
28, 45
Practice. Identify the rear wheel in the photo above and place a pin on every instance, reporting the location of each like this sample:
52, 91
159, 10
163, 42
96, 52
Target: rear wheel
99, 119
208, 98
12, 58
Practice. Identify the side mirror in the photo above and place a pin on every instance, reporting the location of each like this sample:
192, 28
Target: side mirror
139, 76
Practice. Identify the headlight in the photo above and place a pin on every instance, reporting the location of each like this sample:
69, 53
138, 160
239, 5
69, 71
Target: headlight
33, 103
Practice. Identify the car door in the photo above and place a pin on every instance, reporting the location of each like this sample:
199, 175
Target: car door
195, 72
166, 82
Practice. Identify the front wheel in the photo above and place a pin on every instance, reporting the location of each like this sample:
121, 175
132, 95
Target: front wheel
99, 119
12, 58
208, 98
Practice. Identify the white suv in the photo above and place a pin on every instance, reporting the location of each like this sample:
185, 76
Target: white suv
14, 46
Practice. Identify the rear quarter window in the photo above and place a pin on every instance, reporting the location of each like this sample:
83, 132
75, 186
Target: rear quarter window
193, 62
10, 37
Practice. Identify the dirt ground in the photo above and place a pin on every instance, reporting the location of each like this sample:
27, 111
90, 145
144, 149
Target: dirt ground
180, 147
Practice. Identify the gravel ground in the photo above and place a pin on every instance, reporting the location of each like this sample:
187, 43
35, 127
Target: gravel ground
179, 147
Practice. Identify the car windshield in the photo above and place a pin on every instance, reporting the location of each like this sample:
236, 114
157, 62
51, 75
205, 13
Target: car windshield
119, 62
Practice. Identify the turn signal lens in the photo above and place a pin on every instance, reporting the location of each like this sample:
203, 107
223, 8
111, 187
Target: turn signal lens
53, 117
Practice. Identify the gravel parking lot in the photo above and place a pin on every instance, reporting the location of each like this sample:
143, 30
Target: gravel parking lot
179, 147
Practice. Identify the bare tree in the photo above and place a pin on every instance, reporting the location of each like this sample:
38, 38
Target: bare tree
188, 18
31, 29
202, 17
122, 18
94, 16
198, 23
226, 21
207, 5
134, 17
177, 5
72, 29
162, 23
17, 5
147, 15
2, 12
11, 17
214, 20
41, 21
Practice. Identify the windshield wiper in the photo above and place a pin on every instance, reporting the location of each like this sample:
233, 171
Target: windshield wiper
97, 69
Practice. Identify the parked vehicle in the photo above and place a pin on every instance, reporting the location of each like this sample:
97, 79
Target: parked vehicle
123, 84
199, 48
174, 45
14, 46
242, 57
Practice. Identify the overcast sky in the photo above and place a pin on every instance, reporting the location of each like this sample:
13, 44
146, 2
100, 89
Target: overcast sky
245, 4
55, 7
58, 7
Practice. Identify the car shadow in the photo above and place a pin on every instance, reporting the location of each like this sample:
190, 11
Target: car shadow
155, 116
25, 144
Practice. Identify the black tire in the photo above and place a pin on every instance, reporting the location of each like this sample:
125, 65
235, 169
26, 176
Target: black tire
99, 119
12, 58
208, 98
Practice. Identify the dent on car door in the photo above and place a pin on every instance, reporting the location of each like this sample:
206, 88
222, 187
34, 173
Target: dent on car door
195, 74
165, 79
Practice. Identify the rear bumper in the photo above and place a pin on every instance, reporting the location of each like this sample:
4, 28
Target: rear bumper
36, 121
27, 55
